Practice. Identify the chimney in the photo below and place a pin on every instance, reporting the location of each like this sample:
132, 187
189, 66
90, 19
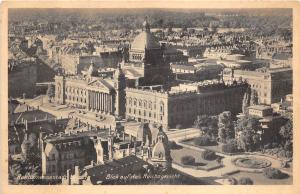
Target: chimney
134, 145
128, 150
26, 126
69, 177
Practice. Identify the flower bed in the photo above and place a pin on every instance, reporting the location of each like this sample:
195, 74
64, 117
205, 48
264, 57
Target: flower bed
251, 162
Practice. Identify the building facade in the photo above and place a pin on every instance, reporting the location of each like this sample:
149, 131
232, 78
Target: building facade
96, 94
181, 105
271, 85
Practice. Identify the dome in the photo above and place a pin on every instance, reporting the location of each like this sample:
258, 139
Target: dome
161, 149
145, 40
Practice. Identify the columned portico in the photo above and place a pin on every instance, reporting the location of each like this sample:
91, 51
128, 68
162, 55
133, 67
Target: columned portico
100, 102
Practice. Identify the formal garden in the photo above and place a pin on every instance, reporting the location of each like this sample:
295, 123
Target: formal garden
248, 156
189, 158
269, 176
251, 162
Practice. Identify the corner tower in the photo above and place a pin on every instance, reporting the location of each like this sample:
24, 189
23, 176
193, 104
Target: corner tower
120, 85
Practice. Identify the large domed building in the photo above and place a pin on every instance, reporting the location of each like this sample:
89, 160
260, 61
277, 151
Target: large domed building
145, 40
145, 64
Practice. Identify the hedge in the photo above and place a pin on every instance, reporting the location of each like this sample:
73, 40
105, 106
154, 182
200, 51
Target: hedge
188, 160
245, 181
273, 173
208, 155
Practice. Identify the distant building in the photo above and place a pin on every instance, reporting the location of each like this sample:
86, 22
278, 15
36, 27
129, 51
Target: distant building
270, 122
271, 85
75, 64
235, 64
196, 70
171, 54
260, 110
284, 106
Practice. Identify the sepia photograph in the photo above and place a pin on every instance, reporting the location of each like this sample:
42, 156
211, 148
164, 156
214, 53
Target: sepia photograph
149, 96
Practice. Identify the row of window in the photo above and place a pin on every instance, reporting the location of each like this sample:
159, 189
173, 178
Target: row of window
65, 156
77, 99
145, 114
137, 57
52, 168
141, 103
76, 91
144, 104
134, 111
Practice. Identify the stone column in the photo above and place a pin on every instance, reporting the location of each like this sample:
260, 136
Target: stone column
97, 101
91, 100
94, 101
87, 100
101, 102
111, 104
108, 104
105, 103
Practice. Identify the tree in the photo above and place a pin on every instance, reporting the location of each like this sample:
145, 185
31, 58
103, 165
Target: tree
253, 98
286, 132
207, 124
226, 127
246, 100
50, 92
230, 147
248, 138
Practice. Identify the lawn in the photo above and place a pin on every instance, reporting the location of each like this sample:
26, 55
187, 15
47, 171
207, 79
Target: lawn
216, 148
260, 179
200, 163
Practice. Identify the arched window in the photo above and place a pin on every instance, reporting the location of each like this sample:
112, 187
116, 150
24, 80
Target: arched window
161, 109
160, 155
130, 101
